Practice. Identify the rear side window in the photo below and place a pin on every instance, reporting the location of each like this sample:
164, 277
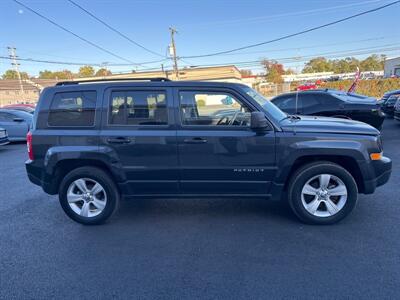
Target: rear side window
138, 108
73, 109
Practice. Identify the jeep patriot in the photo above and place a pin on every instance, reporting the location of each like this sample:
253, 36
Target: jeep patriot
95, 142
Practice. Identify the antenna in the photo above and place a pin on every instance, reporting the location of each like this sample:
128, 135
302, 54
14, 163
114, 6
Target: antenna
297, 99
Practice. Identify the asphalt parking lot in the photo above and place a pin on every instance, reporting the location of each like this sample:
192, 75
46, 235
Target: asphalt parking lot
187, 249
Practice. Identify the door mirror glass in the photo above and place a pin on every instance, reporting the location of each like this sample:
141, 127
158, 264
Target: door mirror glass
258, 121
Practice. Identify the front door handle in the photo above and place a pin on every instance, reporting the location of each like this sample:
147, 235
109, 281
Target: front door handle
195, 140
119, 140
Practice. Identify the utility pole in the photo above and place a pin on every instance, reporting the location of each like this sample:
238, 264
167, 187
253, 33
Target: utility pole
172, 51
15, 64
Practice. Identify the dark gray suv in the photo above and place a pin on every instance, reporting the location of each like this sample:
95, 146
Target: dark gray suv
93, 143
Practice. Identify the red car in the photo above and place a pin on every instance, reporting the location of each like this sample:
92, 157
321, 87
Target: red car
23, 107
307, 86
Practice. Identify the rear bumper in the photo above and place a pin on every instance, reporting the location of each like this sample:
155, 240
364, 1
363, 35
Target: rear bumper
378, 172
35, 176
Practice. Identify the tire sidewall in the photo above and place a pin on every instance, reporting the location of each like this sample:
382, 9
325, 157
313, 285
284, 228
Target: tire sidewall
103, 179
305, 174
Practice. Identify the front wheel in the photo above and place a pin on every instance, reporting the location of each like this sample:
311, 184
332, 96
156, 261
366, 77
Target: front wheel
322, 193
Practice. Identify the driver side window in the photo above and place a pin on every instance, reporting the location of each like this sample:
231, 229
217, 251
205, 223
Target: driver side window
212, 109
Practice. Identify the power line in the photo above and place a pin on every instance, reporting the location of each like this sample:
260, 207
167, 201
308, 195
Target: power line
333, 54
297, 33
309, 47
337, 54
80, 63
74, 34
114, 30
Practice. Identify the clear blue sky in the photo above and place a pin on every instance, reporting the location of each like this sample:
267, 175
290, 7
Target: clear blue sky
204, 26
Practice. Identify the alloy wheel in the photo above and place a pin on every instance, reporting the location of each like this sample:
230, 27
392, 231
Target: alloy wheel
86, 197
324, 195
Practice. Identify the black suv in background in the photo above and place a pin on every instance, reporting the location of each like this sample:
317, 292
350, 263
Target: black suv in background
397, 110
93, 143
332, 103
388, 94
388, 104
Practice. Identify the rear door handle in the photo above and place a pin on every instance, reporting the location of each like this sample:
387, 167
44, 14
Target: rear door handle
195, 140
119, 140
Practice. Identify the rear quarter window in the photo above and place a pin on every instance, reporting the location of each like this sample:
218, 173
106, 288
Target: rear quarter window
73, 109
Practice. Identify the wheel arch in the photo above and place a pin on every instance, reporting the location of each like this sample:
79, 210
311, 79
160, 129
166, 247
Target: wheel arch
346, 162
59, 161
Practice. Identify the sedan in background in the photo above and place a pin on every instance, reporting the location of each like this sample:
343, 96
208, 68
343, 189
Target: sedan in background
332, 103
16, 122
23, 107
3, 137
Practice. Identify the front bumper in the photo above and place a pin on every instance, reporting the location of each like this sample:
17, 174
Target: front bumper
377, 173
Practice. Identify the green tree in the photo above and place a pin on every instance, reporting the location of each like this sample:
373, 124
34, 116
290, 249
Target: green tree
46, 74
86, 71
373, 63
319, 64
103, 72
345, 65
12, 74
64, 74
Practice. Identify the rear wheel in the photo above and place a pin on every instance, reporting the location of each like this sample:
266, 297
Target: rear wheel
322, 193
88, 195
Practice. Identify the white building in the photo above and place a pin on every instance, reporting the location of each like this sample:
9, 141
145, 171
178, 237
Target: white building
392, 67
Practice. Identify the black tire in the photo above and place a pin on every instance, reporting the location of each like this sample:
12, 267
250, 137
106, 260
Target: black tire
104, 180
307, 172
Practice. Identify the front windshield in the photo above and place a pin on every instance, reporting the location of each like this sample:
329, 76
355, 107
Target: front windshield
267, 105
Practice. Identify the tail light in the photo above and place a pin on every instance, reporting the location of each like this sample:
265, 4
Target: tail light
29, 145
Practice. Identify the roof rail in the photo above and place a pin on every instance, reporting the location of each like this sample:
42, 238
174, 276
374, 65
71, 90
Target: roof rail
111, 79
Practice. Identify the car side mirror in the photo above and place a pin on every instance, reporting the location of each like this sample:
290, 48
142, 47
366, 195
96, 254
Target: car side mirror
19, 120
258, 121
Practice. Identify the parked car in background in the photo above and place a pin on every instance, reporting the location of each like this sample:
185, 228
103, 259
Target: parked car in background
388, 105
307, 86
23, 107
388, 94
16, 122
332, 103
3, 137
397, 110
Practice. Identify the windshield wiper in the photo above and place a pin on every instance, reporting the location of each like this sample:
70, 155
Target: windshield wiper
292, 117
